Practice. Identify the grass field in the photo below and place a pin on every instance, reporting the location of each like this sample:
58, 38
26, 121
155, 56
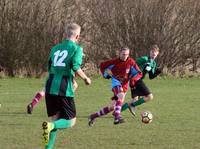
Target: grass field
176, 123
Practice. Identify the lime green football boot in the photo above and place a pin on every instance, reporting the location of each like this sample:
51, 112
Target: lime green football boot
47, 128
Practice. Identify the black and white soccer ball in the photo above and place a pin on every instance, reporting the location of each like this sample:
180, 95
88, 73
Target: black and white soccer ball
146, 117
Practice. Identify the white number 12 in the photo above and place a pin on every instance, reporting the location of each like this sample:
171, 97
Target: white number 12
60, 57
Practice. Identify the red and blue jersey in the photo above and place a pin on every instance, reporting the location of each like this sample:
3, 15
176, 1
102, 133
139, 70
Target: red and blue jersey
121, 71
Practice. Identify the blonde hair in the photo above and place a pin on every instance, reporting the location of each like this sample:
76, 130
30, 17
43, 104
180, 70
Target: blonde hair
155, 47
72, 29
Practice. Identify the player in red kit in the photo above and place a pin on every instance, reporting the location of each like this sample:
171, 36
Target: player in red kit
118, 70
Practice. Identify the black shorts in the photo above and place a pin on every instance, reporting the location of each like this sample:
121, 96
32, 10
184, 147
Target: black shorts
140, 89
65, 106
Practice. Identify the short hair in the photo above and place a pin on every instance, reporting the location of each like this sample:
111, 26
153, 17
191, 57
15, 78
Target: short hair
124, 48
155, 47
72, 29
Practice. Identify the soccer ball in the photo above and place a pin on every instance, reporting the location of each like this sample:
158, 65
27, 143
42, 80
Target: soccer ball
146, 117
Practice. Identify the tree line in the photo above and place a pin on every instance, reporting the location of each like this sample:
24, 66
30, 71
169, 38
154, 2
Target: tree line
28, 30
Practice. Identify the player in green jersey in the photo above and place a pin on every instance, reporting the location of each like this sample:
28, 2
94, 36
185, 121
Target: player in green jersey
139, 91
64, 61
40, 94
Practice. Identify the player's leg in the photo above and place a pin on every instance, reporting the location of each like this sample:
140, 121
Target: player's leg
101, 112
148, 97
142, 100
65, 117
48, 138
48, 129
118, 91
141, 90
67, 113
134, 103
34, 102
125, 106
144, 96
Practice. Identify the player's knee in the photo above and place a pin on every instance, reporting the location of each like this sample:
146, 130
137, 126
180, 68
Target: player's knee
121, 96
113, 103
42, 93
134, 99
55, 117
73, 122
149, 97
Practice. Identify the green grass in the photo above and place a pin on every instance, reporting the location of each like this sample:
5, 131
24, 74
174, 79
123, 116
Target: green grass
175, 107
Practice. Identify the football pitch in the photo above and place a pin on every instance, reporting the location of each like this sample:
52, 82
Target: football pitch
176, 122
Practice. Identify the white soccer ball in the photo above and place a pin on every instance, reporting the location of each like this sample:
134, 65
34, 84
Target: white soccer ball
146, 117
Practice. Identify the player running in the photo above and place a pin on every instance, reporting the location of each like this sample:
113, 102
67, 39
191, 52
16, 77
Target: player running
118, 70
139, 91
64, 59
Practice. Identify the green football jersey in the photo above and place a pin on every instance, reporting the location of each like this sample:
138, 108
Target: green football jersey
64, 60
142, 63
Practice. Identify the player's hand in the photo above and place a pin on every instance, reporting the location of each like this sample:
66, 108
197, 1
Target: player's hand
109, 72
132, 83
158, 71
106, 75
148, 68
87, 81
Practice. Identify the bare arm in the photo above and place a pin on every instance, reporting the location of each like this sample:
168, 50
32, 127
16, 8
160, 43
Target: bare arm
83, 76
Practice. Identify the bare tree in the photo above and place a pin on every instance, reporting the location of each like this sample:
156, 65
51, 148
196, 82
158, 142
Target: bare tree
30, 28
173, 25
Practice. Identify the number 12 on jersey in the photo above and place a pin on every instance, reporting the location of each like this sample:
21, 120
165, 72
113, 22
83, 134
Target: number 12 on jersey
59, 58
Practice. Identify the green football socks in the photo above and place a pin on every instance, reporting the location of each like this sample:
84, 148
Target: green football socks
124, 107
133, 104
52, 139
59, 124
138, 102
63, 123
